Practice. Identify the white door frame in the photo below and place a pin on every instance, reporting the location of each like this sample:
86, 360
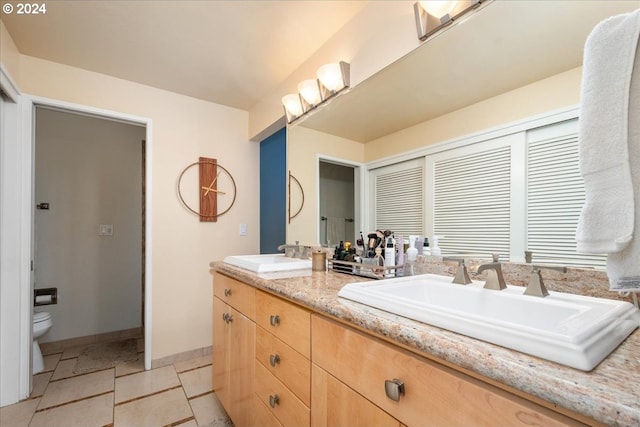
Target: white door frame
23, 316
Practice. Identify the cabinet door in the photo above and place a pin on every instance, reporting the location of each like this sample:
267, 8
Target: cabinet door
335, 404
241, 364
433, 394
220, 359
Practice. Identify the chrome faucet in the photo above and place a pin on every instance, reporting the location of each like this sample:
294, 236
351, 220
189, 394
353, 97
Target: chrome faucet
495, 278
536, 285
462, 276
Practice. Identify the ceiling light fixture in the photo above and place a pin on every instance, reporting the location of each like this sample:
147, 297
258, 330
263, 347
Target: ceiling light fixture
331, 79
433, 15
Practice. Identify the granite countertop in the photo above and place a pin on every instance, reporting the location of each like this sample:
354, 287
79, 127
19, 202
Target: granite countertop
610, 393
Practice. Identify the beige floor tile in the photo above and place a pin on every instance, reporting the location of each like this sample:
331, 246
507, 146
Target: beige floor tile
126, 368
51, 361
65, 369
71, 389
40, 382
208, 410
193, 363
160, 409
19, 414
145, 383
96, 411
197, 381
190, 423
71, 352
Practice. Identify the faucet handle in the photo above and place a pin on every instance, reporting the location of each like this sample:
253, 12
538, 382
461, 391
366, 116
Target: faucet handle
462, 276
536, 284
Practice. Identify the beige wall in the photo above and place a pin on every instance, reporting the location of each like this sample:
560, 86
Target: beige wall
559, 91
183, 129
9, 54
304, 146
90, 171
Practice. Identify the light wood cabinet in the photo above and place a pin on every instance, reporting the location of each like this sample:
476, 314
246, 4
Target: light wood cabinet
283, 368
432, 394
233, 358
335, 404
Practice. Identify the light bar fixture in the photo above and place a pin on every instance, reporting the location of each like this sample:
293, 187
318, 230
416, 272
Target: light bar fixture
433, 15
330, 80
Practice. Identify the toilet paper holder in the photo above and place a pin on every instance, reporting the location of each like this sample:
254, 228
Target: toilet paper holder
45, 296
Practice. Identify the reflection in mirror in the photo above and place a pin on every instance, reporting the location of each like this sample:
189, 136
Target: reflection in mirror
336, 202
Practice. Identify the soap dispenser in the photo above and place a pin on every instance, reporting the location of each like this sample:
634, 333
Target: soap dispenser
435, 250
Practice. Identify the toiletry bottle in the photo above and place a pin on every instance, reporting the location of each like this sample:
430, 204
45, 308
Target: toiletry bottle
435, 250
426, 250
400, 254
389, 257
378, 260
412, 253
418, 244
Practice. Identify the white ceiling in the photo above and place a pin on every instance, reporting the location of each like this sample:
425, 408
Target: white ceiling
229, 52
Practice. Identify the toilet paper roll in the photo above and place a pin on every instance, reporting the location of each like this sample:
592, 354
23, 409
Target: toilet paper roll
43, 299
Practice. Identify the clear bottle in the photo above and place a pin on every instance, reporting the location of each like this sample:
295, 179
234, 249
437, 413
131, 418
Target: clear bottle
412, 254
426, 250
389, 257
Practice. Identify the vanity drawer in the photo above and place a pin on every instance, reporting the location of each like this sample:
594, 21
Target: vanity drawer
287, 321
280, 401
286, 364
262, 416
236, 294
433, 394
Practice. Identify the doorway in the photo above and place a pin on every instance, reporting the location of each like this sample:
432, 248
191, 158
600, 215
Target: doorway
337, 202
89, 222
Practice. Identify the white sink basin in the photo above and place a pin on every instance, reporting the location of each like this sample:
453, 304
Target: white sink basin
267, 263
573, 330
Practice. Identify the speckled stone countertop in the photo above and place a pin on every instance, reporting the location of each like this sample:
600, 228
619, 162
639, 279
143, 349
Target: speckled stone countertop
609, 394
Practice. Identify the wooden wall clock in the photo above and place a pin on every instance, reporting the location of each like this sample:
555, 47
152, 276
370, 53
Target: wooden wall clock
216, 188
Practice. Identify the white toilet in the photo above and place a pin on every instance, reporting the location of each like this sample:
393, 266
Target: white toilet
41, 324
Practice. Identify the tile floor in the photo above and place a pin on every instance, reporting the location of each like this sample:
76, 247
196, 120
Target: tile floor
126, 395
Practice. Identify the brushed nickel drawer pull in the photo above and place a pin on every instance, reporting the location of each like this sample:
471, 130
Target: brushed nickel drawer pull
274, 359
274, 320
229, 318
227, 292
394, 389
224, 317
274, 400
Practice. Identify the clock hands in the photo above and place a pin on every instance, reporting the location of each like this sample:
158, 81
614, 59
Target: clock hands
210, 187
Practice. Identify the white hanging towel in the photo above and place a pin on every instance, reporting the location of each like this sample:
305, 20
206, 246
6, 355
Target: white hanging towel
607, 220
335, 230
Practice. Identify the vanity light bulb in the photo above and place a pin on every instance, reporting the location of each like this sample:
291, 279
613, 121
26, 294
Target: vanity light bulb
330, 75
438, 8
309, 91
292, 104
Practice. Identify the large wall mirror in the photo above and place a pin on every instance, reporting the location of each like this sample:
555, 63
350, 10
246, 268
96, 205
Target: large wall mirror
509, 61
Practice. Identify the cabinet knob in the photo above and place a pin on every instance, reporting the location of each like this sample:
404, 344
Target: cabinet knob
274, 400
394, 389
229, 318
274, 320
224, 317
274, 359
227, 292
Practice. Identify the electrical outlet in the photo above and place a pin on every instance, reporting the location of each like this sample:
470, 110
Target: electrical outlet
243, 229
106, 230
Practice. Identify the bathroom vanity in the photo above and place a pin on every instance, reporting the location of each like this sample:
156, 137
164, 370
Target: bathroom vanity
288, 352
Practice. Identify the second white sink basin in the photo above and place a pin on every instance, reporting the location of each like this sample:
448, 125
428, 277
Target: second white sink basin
573, 330
268, 263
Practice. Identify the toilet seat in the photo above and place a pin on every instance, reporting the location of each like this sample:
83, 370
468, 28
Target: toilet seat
41, 316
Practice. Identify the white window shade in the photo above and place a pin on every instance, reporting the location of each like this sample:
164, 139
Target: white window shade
555, 195
399, 198
472, 202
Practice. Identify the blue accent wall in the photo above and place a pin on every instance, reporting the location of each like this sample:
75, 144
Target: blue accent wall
273, 186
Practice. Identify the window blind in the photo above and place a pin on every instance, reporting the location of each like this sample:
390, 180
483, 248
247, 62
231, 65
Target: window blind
555, 195
472, 202
399, 199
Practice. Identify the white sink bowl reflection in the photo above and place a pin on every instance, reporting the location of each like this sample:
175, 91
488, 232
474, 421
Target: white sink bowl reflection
573, 330
268, 263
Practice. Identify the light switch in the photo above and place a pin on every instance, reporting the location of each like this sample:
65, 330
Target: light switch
106, 230
243, 229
